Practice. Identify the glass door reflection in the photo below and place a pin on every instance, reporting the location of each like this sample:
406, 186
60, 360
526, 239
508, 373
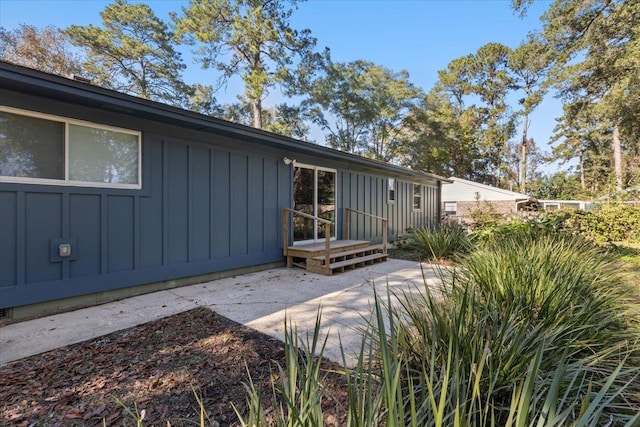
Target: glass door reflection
314, 193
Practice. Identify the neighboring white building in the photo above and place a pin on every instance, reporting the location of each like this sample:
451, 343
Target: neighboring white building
462, 196
555, 205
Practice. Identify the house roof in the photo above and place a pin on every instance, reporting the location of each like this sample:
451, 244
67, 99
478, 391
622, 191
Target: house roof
560, 201
17, 78
483, 188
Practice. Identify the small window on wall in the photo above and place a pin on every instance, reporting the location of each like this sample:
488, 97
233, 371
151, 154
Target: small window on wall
417, 197
450, 208
42, 149
391, 193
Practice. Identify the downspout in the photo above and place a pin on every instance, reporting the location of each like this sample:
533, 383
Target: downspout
439, 204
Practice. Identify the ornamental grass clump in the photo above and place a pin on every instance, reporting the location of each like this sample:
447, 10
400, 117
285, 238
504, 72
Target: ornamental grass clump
529, 325
440, 243
532, 329
298, 385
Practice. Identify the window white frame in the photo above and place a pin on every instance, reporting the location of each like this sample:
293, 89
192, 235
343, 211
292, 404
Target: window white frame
315, 201
66, 181
451, 208
391, 189
417, 194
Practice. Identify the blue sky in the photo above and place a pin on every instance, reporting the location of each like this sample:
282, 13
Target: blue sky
421, 37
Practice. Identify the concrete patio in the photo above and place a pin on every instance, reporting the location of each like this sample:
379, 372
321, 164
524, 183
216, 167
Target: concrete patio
259, 300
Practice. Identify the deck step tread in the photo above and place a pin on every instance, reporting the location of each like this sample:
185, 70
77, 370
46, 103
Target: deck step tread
351, 252
357, 260
306, 253
335, 245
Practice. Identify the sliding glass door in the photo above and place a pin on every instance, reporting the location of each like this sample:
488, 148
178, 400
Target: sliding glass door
314, 193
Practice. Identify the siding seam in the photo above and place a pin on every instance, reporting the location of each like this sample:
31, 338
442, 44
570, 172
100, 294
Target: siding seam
165, 204
64, 219
103, 234
21, 239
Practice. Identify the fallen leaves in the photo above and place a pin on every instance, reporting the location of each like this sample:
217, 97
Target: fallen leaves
150, 368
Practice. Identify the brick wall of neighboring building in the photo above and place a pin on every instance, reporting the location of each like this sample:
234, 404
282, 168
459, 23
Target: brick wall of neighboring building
504, 207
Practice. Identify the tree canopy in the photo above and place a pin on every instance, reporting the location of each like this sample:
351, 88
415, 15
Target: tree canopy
133, 52
362, 107
529, 65
283, 119
474, 90
438, 137
474, 123
594, 46
252, 39
47, 49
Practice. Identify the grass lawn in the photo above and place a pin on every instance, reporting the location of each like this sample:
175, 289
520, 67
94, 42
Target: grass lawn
629, 256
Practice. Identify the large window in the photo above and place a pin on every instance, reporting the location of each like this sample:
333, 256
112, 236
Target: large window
43, 149
417, 197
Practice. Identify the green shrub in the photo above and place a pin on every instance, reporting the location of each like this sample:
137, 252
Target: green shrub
484, 214
610, 223
550, 303
438, 243
519, 229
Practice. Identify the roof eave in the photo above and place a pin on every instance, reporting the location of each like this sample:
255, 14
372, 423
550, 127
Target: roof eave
15, 77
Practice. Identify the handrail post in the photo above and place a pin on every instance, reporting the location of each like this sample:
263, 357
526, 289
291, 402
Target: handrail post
285, 232
385, 225
384, 236
347, 215
327, 247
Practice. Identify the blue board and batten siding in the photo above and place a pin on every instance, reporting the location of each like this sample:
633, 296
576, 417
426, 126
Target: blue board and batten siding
209, 202
369, 193
201, 210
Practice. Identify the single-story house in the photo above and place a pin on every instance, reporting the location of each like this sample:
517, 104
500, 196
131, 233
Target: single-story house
462, 196
105, 195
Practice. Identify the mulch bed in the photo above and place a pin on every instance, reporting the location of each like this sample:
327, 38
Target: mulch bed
155, 367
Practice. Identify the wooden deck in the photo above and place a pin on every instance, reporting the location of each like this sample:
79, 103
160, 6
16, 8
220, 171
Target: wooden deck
331, 256
316, 249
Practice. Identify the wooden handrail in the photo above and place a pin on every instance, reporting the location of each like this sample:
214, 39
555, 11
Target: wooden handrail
385, 225
366, 214
327, 234
306, 215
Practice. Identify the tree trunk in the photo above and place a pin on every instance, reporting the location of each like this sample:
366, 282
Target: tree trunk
523, 155
523, 168
582, 183
617, 155
256, 111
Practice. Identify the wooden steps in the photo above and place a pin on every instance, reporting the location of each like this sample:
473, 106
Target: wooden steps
344, 255
317, 249
332, 255
348, 264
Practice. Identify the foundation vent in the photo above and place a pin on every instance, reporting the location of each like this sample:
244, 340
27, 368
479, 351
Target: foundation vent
5, 313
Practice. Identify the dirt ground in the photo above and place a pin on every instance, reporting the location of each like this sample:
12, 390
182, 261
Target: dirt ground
155, 367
